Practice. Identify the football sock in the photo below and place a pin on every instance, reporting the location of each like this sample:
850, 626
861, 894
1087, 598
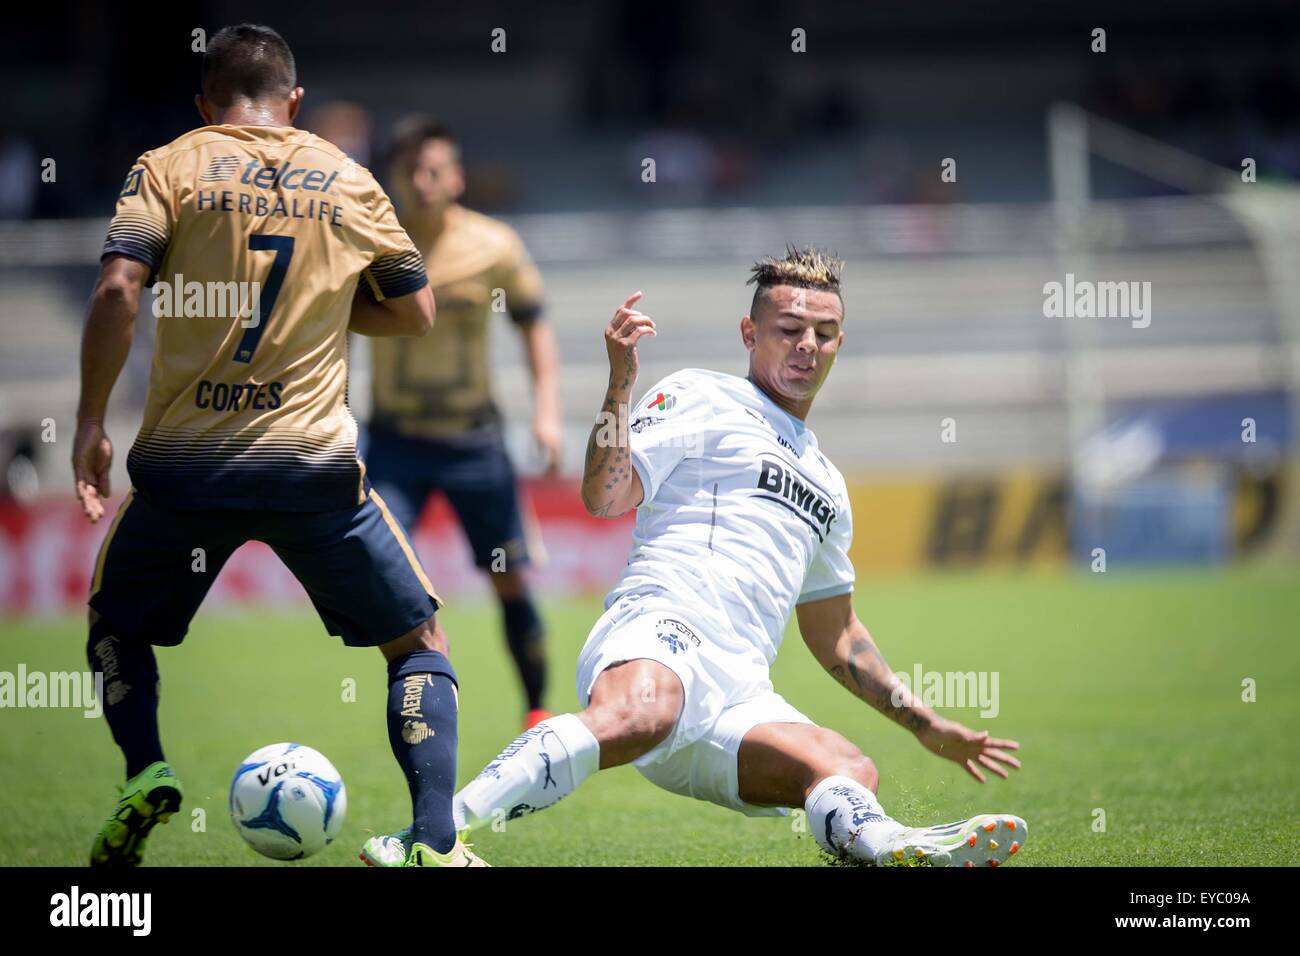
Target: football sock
539, 768
422, 731
847, 819
130, 692
525, 637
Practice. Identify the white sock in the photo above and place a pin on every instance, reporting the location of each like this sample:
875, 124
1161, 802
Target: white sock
540, 767
847, 819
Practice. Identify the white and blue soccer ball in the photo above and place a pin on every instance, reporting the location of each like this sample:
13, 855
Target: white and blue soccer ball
287, 801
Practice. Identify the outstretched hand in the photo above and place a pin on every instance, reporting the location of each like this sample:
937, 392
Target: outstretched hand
950, 740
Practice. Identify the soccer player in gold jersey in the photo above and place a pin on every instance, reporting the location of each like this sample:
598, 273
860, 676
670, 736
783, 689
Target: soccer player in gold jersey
266, 245
434, 424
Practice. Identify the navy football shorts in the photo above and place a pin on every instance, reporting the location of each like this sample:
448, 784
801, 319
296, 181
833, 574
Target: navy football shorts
356, 564
473, 471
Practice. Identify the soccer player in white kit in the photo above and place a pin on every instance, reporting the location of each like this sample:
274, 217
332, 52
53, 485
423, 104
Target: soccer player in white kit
740, 519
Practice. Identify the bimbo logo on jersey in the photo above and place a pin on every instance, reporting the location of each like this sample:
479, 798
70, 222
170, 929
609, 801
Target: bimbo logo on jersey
797, 492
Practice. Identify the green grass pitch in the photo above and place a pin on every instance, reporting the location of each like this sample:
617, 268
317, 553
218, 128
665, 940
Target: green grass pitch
1125, 692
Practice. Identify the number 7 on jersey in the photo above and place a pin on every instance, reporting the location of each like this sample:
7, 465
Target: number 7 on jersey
265, 305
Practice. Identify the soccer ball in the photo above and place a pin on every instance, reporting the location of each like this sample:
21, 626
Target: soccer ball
287, 801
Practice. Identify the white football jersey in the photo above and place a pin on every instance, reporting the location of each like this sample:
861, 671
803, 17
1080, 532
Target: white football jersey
743, 517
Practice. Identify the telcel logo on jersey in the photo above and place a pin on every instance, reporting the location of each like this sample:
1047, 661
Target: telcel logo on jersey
798, 491
286, 177
275, 180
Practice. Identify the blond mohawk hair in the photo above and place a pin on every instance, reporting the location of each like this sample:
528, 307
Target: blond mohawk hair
804, 268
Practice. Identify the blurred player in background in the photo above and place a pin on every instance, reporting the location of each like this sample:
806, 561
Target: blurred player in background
246, 433
741, 520
434, 424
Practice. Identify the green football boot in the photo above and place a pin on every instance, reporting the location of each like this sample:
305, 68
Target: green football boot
388, 849
148, 798
396, 849
460, 855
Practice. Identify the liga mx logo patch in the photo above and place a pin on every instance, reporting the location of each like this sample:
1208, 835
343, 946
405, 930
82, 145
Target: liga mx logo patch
132, 185
663, 401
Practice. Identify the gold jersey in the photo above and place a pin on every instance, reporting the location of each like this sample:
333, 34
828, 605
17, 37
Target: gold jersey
439, 386
257, 237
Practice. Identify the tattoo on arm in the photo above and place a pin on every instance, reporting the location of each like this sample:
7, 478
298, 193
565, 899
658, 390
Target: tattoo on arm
606, 463
865, 674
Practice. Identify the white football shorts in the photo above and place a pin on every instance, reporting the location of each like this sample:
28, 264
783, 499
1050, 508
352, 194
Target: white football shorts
728, 692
